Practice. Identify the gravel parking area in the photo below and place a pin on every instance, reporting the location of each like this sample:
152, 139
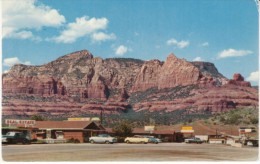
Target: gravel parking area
128, 152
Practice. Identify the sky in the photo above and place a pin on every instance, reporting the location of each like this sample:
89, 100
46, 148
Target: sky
223, 32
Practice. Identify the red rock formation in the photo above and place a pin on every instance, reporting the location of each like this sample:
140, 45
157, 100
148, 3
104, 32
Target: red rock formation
97, 89
177, 72
76, 79
238, 80
148, 76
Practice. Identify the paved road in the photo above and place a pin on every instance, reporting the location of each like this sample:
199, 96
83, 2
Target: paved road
128, 152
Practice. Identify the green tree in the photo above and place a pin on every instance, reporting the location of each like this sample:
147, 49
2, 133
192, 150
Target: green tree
37, 118
122, 130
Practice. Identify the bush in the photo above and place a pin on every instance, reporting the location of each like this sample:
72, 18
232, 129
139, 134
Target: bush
254, 120
233, 119
72, 140
123, 129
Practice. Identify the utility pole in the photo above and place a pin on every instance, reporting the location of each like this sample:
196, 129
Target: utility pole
101, 116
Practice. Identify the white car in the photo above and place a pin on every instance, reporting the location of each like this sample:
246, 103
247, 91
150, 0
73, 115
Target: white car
137, 139
103, 138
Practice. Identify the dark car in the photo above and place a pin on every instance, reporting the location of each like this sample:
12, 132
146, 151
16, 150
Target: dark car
15, 137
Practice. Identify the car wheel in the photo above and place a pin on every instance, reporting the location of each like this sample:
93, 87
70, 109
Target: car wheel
127, 142
107, 142
92, 141
156, 142
24, 141
9, 141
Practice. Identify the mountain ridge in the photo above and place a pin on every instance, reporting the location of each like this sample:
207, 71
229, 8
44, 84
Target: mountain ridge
93, 83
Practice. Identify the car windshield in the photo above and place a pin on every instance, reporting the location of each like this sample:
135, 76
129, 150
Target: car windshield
104, 135
10, 133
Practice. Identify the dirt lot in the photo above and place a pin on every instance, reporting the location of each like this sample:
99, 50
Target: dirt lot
128, 152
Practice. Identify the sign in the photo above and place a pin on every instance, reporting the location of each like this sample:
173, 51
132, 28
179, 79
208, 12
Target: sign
79, 119
25, 122
187, 129
245, 130
149, 128
95, 119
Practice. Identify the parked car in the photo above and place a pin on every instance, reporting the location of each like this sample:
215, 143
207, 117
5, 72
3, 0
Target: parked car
103, 138
152, 139
137, 139
194, 140
15, 137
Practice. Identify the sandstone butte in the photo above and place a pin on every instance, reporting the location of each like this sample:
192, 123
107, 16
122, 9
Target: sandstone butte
80, 83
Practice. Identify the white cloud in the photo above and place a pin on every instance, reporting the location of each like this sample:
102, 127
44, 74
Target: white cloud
254, 76
82, 27
100, 36
205, 44
121, 50
157, 46
180, 44
198, 59
136, 34
18, 17
233, 53
12, 61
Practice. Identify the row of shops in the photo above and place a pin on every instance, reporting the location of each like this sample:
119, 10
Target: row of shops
62, 131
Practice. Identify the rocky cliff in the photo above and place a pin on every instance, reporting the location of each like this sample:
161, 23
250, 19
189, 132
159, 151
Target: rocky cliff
80, 83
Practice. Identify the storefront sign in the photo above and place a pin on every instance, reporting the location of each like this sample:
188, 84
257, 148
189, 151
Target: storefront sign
149, 128
187, 129
15, 122
79, 119
95, 119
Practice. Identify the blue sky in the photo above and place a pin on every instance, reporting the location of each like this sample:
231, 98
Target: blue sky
224, 32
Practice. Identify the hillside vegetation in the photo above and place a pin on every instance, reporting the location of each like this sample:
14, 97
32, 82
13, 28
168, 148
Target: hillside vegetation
245, 116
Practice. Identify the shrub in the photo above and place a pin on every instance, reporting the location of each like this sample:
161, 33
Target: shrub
254, 120
123, 129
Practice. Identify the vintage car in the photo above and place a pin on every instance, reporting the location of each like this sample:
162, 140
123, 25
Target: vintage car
15, 137
137, 139
152, 139
194, 140
103, 138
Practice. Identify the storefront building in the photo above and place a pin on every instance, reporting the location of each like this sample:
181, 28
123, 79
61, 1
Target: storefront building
67, 130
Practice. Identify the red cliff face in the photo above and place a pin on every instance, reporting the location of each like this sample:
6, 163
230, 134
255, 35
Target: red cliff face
81, 79
238, 80
176, 72
148, 76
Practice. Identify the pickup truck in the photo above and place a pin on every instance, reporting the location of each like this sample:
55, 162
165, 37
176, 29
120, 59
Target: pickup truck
137, 139
194, 140
102, 138
15, 137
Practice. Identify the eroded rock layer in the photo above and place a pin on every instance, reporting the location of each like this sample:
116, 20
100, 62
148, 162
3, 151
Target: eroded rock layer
79, 82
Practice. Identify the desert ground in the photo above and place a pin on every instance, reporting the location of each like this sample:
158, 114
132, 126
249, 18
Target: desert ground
127, 152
